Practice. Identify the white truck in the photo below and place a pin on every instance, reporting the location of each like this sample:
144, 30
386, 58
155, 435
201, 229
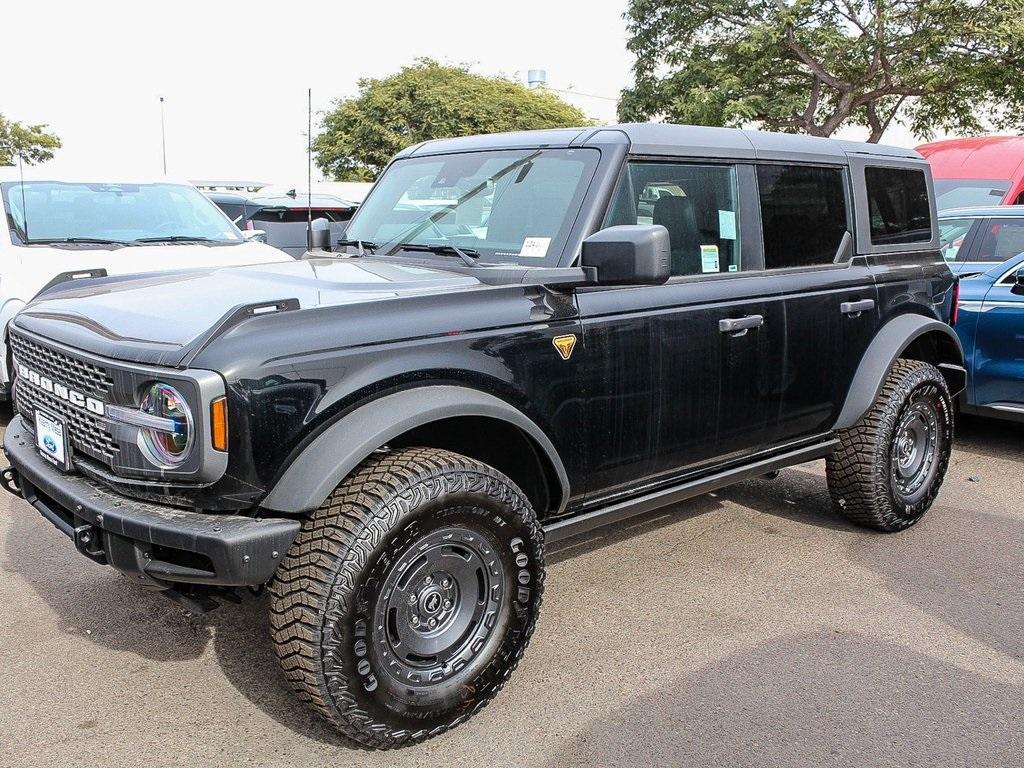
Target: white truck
55, 227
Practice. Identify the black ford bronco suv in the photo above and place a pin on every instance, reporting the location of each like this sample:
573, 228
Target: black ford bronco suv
523, 337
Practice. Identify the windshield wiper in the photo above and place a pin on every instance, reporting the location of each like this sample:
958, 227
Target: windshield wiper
177, 239
87, 240
440, 213
445, 249
362, 245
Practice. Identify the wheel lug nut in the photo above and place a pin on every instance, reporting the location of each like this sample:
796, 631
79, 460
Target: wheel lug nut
415, 621
428, 580
412, 599
433, 622
447, 603
444, 582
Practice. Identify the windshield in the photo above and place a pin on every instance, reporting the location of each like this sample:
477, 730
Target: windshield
505, 206
42, 211
960, 193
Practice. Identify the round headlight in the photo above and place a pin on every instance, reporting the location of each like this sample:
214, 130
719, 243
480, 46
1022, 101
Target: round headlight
168, 443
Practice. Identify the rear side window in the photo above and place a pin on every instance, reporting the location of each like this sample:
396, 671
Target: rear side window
898, 206
803, 214
1003, 239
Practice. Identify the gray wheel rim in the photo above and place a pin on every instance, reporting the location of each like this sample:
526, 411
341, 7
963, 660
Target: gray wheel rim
438, 606
914, 447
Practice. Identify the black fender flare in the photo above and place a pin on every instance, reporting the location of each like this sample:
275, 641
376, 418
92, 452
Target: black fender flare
894, 338
333, 454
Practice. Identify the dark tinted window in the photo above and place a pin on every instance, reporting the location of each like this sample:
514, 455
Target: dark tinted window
1002, 239
233, 211
803, 214
898, 206
697, 204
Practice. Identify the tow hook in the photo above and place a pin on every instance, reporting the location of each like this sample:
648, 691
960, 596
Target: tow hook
9, 480
89, 541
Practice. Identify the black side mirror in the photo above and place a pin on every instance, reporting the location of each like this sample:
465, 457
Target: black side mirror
629, 254
1018, 286
320, 235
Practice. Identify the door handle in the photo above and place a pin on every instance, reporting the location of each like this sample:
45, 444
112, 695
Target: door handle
738, 326
856, 307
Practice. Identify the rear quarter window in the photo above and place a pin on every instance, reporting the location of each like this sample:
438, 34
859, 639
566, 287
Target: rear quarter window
898, 205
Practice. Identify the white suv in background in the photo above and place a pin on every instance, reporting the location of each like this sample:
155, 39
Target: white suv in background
52, 227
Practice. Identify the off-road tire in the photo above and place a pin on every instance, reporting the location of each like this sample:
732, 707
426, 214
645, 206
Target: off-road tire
345, 571
864, 473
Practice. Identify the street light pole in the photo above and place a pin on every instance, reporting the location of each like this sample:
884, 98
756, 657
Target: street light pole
163, 135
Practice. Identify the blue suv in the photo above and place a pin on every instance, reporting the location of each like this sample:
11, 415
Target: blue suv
985, 246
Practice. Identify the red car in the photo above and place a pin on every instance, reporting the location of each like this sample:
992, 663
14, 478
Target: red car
983, 170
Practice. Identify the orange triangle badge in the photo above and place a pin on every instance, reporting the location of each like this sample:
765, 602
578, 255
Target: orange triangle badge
564, 345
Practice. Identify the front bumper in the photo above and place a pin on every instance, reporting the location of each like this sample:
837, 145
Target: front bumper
160, 545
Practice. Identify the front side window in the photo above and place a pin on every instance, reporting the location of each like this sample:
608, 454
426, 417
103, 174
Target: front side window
951, 236
507, 206
1002, 239
898, 206
803, 214
698, 206
54, 212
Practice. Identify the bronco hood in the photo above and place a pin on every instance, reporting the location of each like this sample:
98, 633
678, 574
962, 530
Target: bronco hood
160, 317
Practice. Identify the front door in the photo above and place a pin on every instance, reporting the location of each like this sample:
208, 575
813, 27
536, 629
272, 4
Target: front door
683, 374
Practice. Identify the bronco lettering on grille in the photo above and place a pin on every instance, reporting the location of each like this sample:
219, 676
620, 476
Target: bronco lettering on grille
73, 396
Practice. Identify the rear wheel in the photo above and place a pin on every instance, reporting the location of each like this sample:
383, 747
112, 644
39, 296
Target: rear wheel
409, 597
890, 465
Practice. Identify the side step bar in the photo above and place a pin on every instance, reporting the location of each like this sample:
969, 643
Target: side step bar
589, 521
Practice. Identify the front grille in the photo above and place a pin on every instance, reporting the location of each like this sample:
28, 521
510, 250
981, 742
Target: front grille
82, 375
87, 432
85, 429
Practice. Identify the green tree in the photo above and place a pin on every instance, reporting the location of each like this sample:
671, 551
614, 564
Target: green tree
816, 65
427, 101
32, 142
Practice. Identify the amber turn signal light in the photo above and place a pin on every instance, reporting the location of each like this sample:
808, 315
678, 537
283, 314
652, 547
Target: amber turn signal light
219, 422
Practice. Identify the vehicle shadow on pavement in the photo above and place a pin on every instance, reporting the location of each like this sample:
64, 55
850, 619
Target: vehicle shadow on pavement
990, 437
108, 609
93, 600
821, 699
797, 494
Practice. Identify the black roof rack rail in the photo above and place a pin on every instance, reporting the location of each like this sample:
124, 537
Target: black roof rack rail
232, 318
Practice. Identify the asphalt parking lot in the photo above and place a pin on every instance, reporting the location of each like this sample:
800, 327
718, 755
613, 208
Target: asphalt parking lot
748, 627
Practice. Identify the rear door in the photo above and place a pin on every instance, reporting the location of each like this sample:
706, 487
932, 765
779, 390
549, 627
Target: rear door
685, 374
830, 298
998, 375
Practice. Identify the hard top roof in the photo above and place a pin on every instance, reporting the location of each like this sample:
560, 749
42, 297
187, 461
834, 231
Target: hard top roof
673, 140
983, 212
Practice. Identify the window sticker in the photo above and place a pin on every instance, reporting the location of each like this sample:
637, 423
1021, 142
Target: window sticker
734, 267
535, 247
727, 225
709, 258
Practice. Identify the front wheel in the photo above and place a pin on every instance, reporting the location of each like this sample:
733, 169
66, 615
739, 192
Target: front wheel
409, 597
889, 466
